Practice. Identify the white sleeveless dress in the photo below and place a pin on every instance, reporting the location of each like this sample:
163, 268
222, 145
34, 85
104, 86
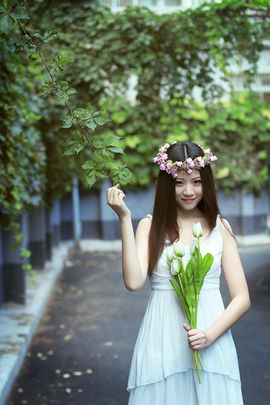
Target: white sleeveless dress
161, 371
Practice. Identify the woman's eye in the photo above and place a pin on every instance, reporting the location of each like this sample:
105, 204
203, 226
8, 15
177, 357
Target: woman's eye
197, 181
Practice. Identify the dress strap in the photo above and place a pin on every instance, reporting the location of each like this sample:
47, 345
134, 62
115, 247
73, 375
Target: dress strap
148, 216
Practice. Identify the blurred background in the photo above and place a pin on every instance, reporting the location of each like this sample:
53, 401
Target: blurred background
165, 71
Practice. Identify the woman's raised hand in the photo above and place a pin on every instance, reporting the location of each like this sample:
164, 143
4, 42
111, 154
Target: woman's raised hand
115, 199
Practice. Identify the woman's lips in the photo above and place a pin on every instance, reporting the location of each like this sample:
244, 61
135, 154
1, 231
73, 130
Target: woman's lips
188, 200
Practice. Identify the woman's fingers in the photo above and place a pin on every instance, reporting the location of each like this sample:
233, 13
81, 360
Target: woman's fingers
197, 339
186, 327
114, 195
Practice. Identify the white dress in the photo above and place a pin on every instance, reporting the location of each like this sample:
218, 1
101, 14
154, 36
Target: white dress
161, 371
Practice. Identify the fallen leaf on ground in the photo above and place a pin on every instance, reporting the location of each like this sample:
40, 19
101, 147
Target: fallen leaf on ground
77, 373
107, 343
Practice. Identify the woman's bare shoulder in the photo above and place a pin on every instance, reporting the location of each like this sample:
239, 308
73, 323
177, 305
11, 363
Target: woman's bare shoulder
142, 235
144, 224
225, 228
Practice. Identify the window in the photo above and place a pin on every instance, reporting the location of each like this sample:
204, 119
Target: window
172, 2
124, 3
266, 97
265, 79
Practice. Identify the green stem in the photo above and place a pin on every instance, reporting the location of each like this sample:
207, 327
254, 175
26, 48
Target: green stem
195, 353
200, 360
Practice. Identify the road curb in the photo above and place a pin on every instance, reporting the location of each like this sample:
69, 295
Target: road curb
19, 322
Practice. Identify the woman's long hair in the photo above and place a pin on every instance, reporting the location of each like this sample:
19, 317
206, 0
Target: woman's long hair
164, 221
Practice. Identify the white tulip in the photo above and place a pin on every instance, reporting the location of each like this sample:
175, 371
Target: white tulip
174, 267
197, 230
170, 254
193, 245
179, 249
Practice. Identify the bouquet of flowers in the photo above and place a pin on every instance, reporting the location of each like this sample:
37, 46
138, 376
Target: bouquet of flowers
188, 281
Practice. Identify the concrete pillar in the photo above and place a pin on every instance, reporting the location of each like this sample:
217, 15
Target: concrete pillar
110, 228
247, 213
37, 237
67, 217
230, 207
77, 227
49, 232
55, 221
1, 271
14, 276
90, 214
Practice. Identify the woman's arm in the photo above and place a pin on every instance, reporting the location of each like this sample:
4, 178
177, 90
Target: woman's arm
134, 250
240, 303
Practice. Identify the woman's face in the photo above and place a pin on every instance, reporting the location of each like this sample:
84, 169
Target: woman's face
188, 190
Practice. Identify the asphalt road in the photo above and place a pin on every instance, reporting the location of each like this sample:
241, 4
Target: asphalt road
81, 352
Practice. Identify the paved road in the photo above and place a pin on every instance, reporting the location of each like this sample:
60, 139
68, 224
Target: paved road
82, 349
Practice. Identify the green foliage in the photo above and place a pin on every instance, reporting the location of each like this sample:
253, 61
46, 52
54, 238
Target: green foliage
89, 55
172, 56
22, 157
237, 131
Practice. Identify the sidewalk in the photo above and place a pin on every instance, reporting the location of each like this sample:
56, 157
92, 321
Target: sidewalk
18, 323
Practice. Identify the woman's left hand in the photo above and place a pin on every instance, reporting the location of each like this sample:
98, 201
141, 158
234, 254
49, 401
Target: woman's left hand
197, 338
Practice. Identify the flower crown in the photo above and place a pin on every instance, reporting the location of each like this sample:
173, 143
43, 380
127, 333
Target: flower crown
185, 166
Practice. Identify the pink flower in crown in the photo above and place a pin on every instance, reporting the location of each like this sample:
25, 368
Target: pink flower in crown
167, 145
169, 165
162, 166
179, 163
162, 149
155, 159
213, 158
174, 175
164, 157
200, 161
206, 150
189, 171
190, 163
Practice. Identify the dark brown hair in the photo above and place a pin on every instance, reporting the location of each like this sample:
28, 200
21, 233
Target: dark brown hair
164, 222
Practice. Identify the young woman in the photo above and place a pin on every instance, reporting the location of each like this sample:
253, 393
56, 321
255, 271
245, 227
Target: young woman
161, 371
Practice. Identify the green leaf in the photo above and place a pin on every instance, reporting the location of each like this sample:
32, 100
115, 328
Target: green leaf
89, 164
6, 25
106, 154
20, 12
24, 253
67, 122
119, 117
206, 264
101, 120
116, 149
91, 179
101, 142
64, 84
64, 61
27, 267
189, 269
91, 124
181, 298
75, 148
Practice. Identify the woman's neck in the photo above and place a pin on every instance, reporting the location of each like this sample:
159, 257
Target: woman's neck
184, 214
